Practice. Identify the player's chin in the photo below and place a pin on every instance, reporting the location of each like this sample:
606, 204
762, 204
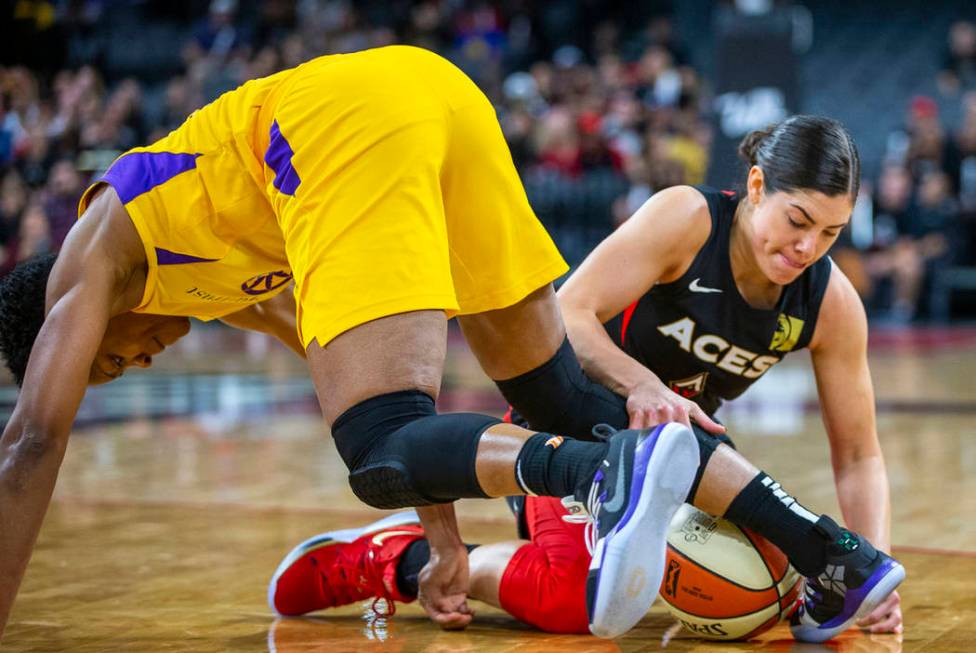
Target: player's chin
783, 271
98, 377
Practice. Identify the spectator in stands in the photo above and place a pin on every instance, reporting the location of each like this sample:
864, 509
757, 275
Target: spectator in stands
594, 98
558, 142
13, 200
34, 235
118, 126
689, 144
622, 121
927, 138
594, 152
21, 86
294, 51
37, 156
178, 103
13, 136
521, 106
277, 19
909, 238
665, 169
965, 147
479, 42
266, 61
60, 200
639, 191
217, 37
80, 102
959, 62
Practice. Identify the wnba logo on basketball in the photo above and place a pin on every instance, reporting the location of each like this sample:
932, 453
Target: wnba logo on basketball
671, 579
732, 584
262, 283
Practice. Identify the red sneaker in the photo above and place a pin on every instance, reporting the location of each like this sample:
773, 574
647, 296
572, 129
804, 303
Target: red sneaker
343, 567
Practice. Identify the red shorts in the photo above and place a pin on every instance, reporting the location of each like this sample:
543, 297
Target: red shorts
544, 584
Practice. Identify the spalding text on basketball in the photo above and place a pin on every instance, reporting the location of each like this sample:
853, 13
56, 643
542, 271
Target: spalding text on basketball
715, 630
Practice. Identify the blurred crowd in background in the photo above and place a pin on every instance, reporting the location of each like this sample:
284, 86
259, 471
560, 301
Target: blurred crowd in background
602, 104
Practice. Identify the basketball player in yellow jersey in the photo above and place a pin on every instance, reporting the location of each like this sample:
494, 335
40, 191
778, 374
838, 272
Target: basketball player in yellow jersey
379, 182
380, 186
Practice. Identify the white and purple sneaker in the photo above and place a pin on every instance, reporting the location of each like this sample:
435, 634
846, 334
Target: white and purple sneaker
644, 479
856, 580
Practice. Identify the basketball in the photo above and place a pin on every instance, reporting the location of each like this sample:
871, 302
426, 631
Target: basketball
722, 581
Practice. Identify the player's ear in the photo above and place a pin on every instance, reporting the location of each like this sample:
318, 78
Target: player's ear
755, 184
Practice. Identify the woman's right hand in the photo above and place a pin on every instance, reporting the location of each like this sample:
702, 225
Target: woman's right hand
652, 403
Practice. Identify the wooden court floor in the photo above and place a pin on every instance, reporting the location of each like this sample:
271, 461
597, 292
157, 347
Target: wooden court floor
167, 525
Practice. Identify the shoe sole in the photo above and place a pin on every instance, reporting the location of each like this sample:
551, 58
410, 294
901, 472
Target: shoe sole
629, 562
885, 585
322, 539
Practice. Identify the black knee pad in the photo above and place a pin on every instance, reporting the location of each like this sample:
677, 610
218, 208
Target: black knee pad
707, 444
558, 397
400, 453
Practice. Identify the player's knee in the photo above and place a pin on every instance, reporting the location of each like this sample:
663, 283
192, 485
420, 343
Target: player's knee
558, 397
566, 620
547, 592
562, 604
400, 453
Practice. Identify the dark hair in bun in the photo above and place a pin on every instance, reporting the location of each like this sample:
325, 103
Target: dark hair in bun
805, 153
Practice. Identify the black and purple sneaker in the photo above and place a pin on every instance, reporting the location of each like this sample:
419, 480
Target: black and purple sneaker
856, 580
644, 479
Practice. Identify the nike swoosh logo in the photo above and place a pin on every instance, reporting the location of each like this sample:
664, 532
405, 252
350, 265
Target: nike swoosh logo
694, 287
383, 535
617, 502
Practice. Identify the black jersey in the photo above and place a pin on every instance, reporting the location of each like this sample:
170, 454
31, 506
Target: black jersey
698, 334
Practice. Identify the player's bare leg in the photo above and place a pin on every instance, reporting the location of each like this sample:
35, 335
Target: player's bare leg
400, 352
488, 564
846, 577
725, 475
516, 339
404, 353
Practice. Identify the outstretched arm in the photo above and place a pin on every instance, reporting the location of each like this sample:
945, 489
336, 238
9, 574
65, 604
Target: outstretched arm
656, 245
87, 286
444, 579
839, 353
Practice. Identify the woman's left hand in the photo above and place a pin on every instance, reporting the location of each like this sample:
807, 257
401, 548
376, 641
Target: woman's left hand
886, 618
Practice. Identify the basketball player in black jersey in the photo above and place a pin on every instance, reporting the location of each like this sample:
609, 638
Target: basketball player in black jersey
686, 305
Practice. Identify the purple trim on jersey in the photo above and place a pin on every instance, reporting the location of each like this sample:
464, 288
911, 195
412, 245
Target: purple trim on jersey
166, 257
139, 172
278, 157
